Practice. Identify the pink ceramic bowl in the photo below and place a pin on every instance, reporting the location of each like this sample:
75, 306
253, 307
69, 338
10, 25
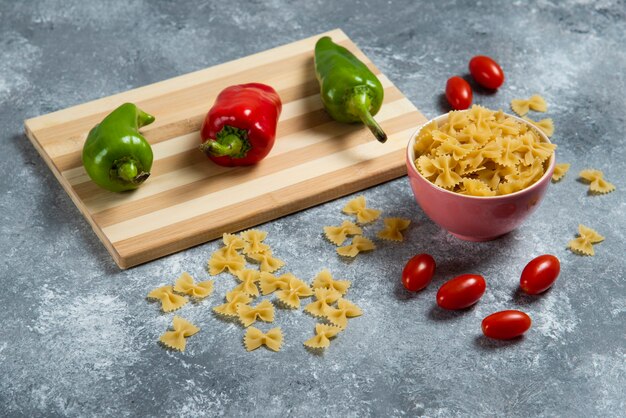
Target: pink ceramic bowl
476, 218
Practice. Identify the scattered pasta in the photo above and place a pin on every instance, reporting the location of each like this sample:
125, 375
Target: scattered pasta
345, 309
323, 333
248, 279
233, 299
480, 152
364, 215
546, 125
248, 315
185, 284
225, 259
255, 338
176, 339
323, 299
268, 263
254, 241
584, 243
169, 300
393, 229
233, 242
338, 234
325, 280
359, 244
270, 283
597, 183
535, 102
559, 171
295, 289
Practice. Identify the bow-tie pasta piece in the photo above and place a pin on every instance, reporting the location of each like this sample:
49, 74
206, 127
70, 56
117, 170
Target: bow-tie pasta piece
597, 183
324, 279
233, 299
364, 215
225, 259
176, 339
358, 245
535, 102
559, 171
248, 279
254, 241
345, 309
476, 187
323, 299
185, 284
393, 229
545, 125
255, 338
233, 242
323, 334
270, 283
268, 263
248, 315
337, 234
584, 243
296, 289
169, 300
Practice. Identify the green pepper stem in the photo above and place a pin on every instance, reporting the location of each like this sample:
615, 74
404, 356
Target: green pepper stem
229, 145
129, 172
359, 103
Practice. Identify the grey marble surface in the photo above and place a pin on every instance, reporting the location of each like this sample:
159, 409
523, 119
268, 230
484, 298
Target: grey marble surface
79, 338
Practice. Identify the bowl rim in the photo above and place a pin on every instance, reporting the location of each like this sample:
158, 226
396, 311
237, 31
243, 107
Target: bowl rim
410, 155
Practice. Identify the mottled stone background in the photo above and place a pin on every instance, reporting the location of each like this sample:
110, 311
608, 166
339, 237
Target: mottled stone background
79, 338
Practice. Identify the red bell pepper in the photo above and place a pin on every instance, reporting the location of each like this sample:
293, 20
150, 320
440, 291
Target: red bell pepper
240, 128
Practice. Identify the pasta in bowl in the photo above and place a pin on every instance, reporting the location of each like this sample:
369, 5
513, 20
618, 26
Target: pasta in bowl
479, 173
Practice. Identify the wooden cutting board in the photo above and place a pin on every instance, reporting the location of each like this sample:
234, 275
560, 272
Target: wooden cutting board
188, 200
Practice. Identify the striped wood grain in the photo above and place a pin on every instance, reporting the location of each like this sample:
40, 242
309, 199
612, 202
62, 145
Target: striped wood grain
188, 200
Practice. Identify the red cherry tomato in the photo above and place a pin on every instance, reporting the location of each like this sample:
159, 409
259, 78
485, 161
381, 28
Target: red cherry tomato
418, 272
461, 292
540, 274
486, 72
458, 93
505, 325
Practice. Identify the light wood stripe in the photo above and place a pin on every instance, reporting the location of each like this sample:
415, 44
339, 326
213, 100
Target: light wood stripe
189, 200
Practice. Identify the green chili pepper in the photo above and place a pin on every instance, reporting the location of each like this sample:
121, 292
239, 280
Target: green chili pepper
115, 155
350, 91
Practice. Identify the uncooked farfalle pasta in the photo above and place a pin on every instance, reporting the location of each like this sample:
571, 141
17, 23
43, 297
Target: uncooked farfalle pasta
248, 279
359, 244
364, 215
323, 334
233, 299
186, 285
559, 171
255, 338
323, 299
296, 289
597, 183
248, 315
254, 241
481, 145
583, 244
534, 102
169, 300
177, 339
226, 259
270, 283
344, 310
393, 229
324, 279
268, 263
546, 125
338, 234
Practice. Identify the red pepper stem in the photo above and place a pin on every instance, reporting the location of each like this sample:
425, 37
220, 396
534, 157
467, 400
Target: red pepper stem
230, 145
359, 103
